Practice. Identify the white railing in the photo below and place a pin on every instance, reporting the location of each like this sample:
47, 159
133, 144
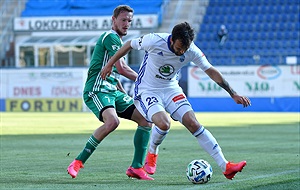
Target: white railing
7, 17
175, 17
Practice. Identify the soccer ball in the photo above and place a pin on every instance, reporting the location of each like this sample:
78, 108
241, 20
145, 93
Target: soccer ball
199, 171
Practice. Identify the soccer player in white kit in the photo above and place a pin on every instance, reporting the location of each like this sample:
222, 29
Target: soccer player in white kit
157, 90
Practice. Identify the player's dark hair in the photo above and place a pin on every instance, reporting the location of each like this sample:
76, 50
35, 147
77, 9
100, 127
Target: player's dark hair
122, 8
184, 33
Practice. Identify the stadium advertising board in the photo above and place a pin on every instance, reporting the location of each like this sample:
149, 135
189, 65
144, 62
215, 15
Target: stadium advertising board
83, 23
44, 105
41, 90
252, 81
270, 88
43, 83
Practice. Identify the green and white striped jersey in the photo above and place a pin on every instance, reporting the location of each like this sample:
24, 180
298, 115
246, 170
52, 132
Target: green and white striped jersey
107, 45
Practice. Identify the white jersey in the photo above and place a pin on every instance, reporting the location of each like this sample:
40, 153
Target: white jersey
160, 66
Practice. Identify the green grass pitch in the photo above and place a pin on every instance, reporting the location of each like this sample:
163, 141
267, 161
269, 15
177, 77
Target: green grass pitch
36, 148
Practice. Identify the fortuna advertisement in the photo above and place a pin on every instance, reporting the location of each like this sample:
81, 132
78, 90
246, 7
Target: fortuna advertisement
41, 90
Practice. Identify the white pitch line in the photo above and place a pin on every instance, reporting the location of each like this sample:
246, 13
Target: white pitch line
248, 179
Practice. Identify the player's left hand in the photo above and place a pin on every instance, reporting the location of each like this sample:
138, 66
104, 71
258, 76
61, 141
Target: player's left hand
106, 71
242, 100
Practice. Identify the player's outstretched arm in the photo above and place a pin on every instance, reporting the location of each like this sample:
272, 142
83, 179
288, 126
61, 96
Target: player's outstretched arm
107, 69
216, 76
125, 70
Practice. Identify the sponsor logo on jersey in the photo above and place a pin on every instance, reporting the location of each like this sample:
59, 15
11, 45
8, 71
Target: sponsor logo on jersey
164, 78
166, 70
178, 97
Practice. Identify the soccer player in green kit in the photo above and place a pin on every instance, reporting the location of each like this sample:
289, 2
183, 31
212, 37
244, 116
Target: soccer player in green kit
108, 100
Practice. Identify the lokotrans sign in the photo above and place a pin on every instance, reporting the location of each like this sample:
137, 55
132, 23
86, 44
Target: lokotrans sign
252, 81
39, 24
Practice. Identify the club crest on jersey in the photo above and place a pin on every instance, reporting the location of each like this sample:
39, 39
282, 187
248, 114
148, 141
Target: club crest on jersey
115, 47
182, 58
166, 70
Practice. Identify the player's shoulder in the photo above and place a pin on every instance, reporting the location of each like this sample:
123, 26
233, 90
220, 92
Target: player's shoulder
110, 36
155, 37
194, 48
161, 35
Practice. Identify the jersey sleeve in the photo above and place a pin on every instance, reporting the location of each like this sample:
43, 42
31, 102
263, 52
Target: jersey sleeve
112, 44
199, 58
143, 42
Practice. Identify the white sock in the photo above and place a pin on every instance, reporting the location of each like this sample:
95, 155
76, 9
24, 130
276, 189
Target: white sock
157, 136
208, 142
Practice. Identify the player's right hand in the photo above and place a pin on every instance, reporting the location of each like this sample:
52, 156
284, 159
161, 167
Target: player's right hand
106, 71
242, 100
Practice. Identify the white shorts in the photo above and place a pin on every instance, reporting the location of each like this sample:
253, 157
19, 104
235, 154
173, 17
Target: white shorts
171, 100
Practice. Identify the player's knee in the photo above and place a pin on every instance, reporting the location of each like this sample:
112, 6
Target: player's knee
163, 125
112, 124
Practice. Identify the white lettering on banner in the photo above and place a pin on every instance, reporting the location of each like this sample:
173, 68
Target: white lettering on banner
79, 23
252, 81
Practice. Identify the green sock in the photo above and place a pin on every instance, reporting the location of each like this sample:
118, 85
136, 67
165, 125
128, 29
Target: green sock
140, 141
89, 148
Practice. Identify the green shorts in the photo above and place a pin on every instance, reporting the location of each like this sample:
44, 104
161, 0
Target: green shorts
97, 102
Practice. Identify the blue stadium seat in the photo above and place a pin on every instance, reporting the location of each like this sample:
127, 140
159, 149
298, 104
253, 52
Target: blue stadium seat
93, 4
144, 4
294, 44
88, 7
90, 12
49, 12
43, 5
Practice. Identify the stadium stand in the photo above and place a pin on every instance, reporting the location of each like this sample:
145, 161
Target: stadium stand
260, 32
88, 7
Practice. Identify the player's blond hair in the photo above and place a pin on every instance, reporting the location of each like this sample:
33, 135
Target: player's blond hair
122, 8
